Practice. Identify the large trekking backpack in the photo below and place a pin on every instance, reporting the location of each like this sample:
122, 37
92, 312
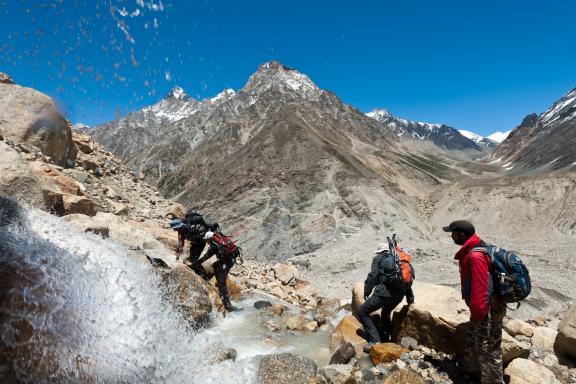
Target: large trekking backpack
193, 218
403, 275
510, 277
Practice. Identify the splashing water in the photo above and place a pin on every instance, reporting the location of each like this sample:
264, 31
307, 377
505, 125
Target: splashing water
78, 308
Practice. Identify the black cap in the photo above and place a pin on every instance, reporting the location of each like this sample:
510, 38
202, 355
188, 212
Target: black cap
463, 226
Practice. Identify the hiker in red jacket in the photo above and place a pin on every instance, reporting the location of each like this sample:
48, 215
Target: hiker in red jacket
486, 312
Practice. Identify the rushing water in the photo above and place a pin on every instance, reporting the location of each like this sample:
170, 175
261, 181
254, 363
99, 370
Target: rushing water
78, 308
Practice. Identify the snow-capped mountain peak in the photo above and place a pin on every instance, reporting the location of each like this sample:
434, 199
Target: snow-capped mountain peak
562, 110
223, 95
440, 134
178, 93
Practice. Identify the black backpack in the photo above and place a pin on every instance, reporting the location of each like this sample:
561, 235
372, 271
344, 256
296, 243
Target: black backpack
193, 218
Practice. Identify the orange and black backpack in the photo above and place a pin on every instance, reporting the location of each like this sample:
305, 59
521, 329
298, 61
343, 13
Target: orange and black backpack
404, 274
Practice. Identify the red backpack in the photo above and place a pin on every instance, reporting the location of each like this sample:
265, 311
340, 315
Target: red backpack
226, 245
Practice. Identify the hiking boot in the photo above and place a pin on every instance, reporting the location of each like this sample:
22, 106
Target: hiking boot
368, 347
228, 305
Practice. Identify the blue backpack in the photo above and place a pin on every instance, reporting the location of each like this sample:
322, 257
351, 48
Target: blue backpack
510, 277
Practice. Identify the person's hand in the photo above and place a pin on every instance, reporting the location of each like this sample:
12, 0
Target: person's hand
366, 295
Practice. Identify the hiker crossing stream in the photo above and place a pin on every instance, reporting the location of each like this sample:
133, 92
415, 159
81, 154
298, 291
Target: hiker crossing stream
79, 308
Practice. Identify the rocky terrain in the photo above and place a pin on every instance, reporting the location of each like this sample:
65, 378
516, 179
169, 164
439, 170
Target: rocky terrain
359, 196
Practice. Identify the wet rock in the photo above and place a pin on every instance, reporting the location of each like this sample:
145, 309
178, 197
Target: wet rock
217, 352
17, 181
343, 355
386, 352
28, 116
295, 322
349, 330
543, 338
512, 348
286, 368
565, 342
438, 319
523, 371
404, 376
518, 327
336, 373
189, 294
309, 326
328, 307
78, 204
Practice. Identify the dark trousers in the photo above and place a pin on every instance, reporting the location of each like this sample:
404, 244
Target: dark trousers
221, 270
373, 303
196, 248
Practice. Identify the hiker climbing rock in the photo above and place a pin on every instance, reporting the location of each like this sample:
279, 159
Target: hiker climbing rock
487, 311
192, 228
389, 280
226, 253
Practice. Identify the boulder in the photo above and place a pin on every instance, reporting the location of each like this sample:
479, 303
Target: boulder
84, 142
309, 326
438, 319
52, 179
286, 273
565, 342
336, 373
217, 352
295, 322
343, 355
512, 348
189, 293
349, 330
386, 352
328, 307
519, 327
28, 116
78, 204
404, 376
543, 338
17, 181
358, 298
262, 304
524, 371
286, 368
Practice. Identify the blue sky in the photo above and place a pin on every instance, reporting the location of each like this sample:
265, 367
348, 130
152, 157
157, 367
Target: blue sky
479, 66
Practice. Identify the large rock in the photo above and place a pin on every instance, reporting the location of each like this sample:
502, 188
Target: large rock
189, 294
523, 371
512, 348
519, 327
217, 352
17, 181
78, 204
386, 352
286, 368
336, 373
343, 355
349, 330
438, 319
286, 273
84, 142
404, 376
543, 338
566, 339
52, 179
28, 116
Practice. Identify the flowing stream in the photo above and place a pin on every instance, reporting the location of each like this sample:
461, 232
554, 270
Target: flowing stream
77, 308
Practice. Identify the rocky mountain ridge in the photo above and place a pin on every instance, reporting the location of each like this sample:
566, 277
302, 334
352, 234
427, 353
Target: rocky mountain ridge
542, 143
440, 134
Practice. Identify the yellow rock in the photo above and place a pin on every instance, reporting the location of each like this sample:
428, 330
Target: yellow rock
348, 331
386, 352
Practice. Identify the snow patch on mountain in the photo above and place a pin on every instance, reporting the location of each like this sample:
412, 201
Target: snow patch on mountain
471, 135
499, 136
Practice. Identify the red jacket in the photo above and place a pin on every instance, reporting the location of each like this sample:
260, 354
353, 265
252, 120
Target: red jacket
475, 278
